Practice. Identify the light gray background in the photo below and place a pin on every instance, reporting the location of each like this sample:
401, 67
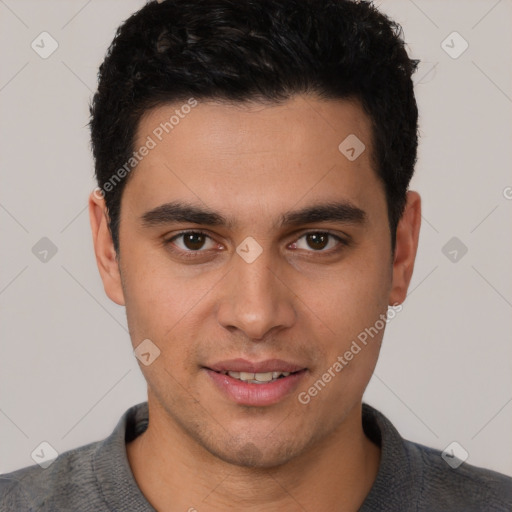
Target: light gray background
67, 372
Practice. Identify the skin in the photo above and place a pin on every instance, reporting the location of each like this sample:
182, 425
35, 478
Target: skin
252, 163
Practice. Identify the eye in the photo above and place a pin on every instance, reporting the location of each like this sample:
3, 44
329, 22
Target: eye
192, 241
319, 241
189, 242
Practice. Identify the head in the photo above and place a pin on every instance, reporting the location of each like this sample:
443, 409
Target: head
293, 123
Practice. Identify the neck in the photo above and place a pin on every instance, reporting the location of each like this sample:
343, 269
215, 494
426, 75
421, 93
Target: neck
175, 473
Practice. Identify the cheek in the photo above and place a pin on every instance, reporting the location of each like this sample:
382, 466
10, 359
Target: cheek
153, 303
352, 308
163, 301
164, 312
351, 297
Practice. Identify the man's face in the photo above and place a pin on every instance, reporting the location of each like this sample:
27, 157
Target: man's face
318, 282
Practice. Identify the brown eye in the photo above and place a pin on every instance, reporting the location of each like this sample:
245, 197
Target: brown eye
317, 241
192, 241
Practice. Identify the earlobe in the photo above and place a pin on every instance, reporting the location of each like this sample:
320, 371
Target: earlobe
106, 257
407, 236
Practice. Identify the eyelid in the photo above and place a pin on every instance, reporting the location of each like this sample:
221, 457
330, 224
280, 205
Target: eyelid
168, 240
340, 239
334, 233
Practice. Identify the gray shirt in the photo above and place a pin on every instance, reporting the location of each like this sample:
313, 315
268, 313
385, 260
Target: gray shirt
97, 477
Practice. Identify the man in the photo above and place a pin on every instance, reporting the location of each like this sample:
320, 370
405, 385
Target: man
253, 216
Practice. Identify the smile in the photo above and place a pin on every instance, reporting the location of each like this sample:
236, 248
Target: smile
257, 378
255, 389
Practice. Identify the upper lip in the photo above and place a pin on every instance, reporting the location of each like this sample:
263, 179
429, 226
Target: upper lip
243, 365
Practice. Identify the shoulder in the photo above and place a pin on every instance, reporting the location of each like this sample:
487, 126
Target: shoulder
414, 477
461, 487
95, 477
69, 478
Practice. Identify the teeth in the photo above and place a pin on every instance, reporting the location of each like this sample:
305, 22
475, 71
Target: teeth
263, 377
257, 378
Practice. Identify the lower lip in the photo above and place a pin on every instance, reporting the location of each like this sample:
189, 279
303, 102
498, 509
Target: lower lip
246, 393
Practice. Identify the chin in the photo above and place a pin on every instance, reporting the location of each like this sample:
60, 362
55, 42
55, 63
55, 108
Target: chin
250, 455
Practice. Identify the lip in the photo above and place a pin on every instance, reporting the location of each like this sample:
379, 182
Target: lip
256, 395
243, 365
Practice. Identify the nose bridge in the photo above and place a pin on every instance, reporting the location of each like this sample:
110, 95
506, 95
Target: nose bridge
255, 300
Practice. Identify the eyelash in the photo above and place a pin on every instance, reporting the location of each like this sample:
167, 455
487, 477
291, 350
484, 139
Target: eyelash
194, 254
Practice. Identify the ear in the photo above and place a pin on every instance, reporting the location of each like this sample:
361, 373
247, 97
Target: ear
407, 235
106, 257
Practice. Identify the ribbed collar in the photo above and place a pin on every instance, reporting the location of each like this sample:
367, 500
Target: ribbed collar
112, 469
400, 469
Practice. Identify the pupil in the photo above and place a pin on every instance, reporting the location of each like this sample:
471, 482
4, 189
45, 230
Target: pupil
317, 240
194, 241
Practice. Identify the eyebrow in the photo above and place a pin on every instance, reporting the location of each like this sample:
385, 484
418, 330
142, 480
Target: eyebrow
178, 211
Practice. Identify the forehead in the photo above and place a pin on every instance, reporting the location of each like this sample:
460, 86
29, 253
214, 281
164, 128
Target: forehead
244, 156
302, 125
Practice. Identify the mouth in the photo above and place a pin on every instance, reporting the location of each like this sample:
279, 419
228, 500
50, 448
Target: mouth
255, 384
258, 378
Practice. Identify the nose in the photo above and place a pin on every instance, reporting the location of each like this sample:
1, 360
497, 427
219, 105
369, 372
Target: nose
255, 299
